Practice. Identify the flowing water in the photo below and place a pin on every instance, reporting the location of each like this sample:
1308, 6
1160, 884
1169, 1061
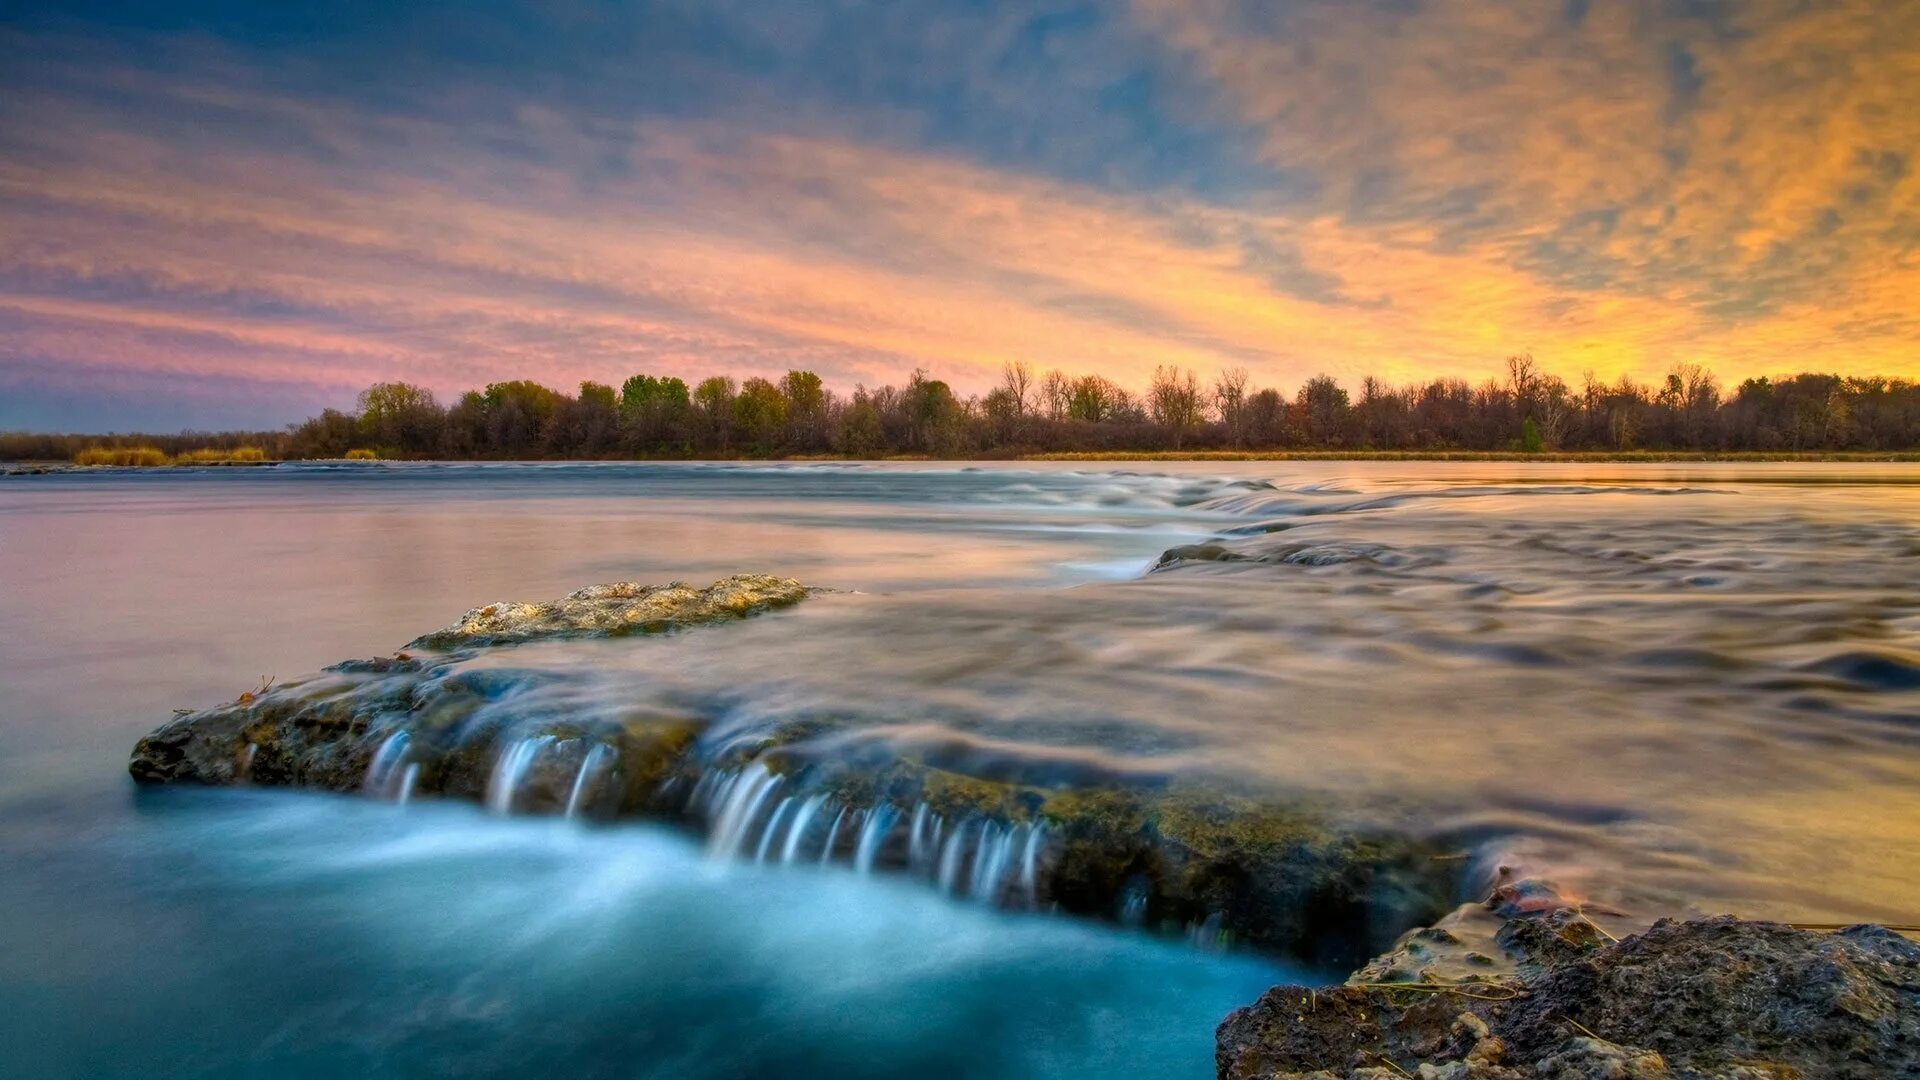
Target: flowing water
1668, 688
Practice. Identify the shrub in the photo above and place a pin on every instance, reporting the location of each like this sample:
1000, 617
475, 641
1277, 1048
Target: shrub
214, 456
362, 454
145, 457
1530, 438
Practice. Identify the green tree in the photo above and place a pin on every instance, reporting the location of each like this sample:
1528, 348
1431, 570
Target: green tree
597, 394
400, 418
760, 415
1323, 410
587, 426
934, 416
860, 432
517, 416
713, 404
655, 414
807, 404
1094, 399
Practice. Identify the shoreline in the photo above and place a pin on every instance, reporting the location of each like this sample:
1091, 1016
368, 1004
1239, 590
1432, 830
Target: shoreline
1649, 457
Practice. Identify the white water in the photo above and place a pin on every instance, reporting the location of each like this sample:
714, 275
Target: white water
596, 759
384, 768
1000, 860
873, 832
511, 769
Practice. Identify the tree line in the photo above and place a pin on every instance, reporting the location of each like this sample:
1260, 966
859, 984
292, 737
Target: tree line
1525, 410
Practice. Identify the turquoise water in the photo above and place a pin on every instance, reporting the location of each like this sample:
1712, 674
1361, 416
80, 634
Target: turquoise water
237, 934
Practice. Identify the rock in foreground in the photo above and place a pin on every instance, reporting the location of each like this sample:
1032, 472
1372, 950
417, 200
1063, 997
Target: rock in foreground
625, 607
1713, 999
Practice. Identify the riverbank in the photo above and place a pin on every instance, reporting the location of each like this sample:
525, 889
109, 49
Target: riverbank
1651, 457
47, 468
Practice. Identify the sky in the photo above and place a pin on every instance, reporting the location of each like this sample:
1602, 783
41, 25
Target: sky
233, 214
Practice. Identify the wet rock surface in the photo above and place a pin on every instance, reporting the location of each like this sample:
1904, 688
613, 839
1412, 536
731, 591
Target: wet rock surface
1223, 868
625, 607
1713, 999
1221, 865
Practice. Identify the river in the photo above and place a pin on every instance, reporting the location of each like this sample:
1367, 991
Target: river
1669, 688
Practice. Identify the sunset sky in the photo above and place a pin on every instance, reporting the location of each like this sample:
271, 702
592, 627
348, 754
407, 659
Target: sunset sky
234, 214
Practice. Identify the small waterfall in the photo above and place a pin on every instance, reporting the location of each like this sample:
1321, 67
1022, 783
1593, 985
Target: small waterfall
949, 875
739, 800
751, 811
511, 770
799, 828
991, 857
1134, 911
826, 850
872, 834
916, 838
1029, 863
243, 768
773, 826
382, 770
408, 777
1206, 935
703, 789
589, 764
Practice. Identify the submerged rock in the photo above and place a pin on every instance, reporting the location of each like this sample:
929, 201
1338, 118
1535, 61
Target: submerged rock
1717, 998
621, 608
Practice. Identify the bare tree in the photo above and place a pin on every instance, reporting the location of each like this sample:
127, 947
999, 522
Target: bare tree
1016, 378
1056, 393
1523, 379
1173, 400
1230, 397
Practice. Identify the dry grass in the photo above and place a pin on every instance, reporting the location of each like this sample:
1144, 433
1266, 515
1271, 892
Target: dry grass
144, 457
211, 456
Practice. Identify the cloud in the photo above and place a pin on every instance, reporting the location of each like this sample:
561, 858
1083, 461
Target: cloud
1410, 190
1703, 156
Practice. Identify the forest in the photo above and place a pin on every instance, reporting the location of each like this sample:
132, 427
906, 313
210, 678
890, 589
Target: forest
1525, 410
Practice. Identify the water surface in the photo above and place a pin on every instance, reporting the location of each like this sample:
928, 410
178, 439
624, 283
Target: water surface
1672, 688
